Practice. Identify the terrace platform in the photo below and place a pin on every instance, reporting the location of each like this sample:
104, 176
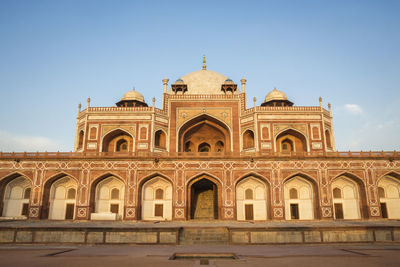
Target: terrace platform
198, 232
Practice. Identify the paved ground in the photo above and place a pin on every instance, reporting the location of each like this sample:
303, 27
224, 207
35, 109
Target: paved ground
194, 223
119, 256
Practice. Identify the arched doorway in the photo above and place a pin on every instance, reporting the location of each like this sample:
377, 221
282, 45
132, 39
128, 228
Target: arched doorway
203, 199
251, 199
204, 134
156, 199
16, 197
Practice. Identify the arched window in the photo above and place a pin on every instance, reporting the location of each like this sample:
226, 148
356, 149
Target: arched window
115, 193
122, 146
381, 192
204, 147
189, 147
219, 146
160, 139
328, 139
337, 193
27, 193
293, 193
71, 193
159, 193
248, 194
248, 139
80, 139
93, 133
287, 145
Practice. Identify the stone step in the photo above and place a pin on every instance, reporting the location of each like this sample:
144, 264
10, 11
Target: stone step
196, 236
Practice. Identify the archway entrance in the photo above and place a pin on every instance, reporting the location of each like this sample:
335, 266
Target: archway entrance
203, 200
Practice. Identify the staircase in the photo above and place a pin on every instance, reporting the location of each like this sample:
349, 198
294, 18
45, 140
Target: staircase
204, 236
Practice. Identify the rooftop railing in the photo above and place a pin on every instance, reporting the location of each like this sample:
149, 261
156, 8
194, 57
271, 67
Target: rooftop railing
214, 155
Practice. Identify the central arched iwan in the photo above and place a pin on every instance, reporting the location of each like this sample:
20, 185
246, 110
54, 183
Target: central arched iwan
204, 134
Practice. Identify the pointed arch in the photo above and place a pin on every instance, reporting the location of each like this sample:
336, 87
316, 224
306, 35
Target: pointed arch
142, 181
151, 207
392, 174
204, 173
388, 187
362, 192
44, 214
108, 141
255, 175
5, 180
214, 186
255, 206
93, 185
315, 190
299, 140
189, 128
152, 175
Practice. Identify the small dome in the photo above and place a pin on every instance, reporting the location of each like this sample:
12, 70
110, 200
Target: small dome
276, 95
179, 81
229, 81
133, 95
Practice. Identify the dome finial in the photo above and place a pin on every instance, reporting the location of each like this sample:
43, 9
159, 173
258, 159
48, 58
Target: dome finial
204, 63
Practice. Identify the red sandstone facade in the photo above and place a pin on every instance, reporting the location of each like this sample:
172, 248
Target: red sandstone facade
205, 139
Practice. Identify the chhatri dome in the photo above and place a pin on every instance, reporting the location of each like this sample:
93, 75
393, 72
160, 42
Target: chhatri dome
276, 98
203, 82
132, 99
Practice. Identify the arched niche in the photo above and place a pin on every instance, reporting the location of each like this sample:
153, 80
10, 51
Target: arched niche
389, 197
328, 139
204, 147
52, 202
203, 129
358, 188
291, 141
16, 194
80, 139
251, 199
300, 199
108, 200
346, 199
160, 139
63, 199
248, 139
117, 141
156, 199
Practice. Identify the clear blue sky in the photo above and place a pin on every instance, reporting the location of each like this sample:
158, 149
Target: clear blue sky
55, 54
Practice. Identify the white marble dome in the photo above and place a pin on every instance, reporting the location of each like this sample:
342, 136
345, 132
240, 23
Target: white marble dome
203, 82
